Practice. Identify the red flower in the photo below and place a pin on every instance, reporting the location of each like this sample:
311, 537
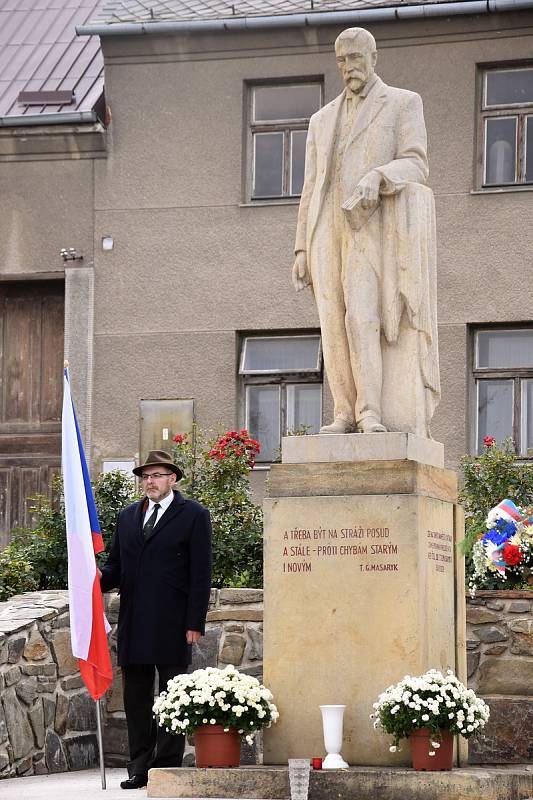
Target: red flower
512, 555
179, 438
489, 441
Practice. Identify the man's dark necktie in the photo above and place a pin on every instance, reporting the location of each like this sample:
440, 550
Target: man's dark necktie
150, 522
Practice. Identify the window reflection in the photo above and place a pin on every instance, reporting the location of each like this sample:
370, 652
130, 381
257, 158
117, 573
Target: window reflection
509, 86
501, 150
495, 410
263, 419
529, 149
527, 419
268, 173
281, 354
286, 102
304, 407
504, 349
298, 140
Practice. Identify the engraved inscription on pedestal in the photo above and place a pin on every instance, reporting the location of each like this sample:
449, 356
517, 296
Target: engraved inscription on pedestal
364, 547
440, 550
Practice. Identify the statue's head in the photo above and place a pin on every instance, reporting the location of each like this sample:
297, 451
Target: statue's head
356, 54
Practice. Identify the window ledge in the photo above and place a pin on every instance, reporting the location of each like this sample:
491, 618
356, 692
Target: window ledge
261, 467
503, 189
262, 203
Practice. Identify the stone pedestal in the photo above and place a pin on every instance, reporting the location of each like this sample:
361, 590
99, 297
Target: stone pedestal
360, 586
363, 783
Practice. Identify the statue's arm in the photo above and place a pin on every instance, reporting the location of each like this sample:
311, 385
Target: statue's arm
410, 164
300, 271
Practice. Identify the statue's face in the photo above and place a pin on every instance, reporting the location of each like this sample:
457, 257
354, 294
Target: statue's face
356, 64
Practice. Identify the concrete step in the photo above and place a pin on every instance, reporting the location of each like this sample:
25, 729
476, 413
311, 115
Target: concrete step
355, 783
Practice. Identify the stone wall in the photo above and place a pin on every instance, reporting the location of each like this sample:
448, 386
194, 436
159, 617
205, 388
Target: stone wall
47, 719
500, 669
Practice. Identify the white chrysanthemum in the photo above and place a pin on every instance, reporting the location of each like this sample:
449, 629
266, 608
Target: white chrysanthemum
219, 692
492, 517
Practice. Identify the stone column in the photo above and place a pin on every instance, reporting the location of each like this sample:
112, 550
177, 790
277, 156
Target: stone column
79, 344
360, 584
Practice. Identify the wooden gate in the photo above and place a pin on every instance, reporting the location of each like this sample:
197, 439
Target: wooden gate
31, 371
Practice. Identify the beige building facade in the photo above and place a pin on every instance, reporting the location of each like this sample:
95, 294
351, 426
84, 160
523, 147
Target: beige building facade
183, 202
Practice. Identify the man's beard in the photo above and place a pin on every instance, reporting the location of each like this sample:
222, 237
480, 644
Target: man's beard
357, 82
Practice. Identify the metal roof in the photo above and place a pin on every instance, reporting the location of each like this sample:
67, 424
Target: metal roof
153, 11
40, 52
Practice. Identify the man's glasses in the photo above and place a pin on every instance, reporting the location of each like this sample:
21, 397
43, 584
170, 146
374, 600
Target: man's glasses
146, 475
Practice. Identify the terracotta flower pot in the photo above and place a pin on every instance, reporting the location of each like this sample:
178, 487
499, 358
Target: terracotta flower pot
420, 741
216, 747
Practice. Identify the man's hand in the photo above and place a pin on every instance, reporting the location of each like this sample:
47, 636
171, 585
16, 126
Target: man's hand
192, 636
369, 187
300, 271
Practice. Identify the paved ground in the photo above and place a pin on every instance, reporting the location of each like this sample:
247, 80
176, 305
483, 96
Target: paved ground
85, 785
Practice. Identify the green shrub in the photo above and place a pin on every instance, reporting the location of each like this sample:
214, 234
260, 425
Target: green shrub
16, 575
113, 491
44, 546
215, 472
488, 479
38, 555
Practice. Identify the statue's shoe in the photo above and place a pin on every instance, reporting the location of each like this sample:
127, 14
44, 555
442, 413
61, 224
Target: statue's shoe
338, 426
371, 425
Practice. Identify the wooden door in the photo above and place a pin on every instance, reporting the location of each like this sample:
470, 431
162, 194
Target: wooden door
31, 372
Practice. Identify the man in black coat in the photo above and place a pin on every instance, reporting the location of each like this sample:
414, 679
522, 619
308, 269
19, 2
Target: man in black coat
160, 559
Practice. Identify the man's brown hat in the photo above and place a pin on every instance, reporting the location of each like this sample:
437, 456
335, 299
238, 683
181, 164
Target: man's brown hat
159, 458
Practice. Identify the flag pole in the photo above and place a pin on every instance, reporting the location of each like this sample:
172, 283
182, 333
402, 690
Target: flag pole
100, 742
88, 625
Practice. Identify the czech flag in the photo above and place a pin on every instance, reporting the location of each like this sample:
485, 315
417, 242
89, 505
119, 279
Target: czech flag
508, 511
88, 626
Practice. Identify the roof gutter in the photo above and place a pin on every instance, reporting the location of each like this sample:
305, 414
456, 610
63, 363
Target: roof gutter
314, 19
68, 118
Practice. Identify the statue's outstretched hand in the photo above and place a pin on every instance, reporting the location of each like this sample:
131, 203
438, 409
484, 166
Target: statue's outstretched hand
369, 188
300, 271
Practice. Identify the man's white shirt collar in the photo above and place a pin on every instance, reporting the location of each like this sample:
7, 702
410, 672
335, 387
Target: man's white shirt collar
164, 503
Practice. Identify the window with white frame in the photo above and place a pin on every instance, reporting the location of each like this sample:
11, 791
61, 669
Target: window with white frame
279, 118
503, 373
282, 388
507, 126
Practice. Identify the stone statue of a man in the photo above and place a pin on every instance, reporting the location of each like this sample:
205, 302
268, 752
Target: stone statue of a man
365, 241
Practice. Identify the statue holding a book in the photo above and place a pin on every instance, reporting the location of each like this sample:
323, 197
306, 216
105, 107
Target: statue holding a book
365, 242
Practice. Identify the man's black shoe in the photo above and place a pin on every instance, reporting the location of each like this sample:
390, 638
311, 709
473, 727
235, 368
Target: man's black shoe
135, 782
